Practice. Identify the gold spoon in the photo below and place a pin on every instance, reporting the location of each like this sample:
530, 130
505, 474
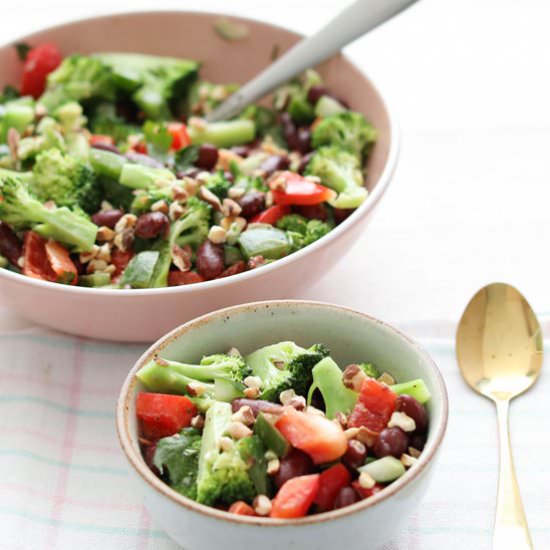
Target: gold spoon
499, 351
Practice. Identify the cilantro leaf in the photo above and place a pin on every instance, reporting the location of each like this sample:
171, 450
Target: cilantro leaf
187, 157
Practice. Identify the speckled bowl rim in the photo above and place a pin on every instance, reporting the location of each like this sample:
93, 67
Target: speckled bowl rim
138, 464
371, 201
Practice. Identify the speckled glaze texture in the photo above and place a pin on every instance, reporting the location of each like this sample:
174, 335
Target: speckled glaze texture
351, 336
143, 315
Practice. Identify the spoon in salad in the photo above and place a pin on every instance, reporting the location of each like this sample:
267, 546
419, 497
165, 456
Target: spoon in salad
356, 20
499, 350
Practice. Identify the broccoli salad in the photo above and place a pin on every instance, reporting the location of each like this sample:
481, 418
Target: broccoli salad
111, 176
282, 432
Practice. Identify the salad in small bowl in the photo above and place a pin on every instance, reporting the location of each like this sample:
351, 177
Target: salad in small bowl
228, 419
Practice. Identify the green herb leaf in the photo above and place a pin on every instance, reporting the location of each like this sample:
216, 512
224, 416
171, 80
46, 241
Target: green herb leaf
157, 135
23, 50
187, 157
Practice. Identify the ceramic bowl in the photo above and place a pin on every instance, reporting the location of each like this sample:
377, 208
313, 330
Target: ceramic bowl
351, 336
143, 315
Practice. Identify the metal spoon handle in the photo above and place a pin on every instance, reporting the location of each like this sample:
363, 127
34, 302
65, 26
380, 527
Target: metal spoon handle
511, 529
359, 18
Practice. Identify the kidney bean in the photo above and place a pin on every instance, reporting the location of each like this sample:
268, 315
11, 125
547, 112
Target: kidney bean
289, 131
315, 93
417, 441
355, 454
340, 214
411, 407
391, 442
345, 497
274, 163
313, 211
151, 225
106, 147
148, 452
145, 160
210, 260
237, 267
295, 464
107, 218
251, 204
257, 406
304, 162
10, 245
241, 150
303, 140
208, 156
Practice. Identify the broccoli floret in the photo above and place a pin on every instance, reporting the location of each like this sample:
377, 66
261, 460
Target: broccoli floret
153, 82
218, 184
70, 116
301, 231
48, 137
348, 130
223, 475
106, 121
340, 170
177, 459
315, 230
369, 369
283, 366
20, 209
144, 198
204, 96
293, 222
65, 180
78, 78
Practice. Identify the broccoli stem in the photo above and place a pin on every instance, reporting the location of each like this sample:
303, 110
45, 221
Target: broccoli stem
106, 163
415, 388
138, 176
223, 134
327, 378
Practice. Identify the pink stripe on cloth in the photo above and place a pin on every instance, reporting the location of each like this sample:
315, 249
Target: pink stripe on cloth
67, 448
144, 525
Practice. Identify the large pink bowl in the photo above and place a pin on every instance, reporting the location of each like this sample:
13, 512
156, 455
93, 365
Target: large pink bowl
144, 315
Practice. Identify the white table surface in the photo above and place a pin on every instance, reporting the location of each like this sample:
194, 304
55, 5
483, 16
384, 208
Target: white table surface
469, 203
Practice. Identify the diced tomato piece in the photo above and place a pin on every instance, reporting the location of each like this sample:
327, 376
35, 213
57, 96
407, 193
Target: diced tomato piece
291, 188
160, 414
374, 407
137, 144
120, 259
177, 278
271, 215
96, 139
241, 508
295, 497
61, 263
366, 493
40, 62
180, 137
35, 259
316, 435
332, 480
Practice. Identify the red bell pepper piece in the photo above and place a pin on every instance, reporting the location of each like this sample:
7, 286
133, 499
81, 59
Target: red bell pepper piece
316, 435
374, 407
61, 263
295, 497
180, 137
241, 508
35, 259
40, 62
291, 188
366, 493
96, 139
332, 480
271, 215
120, 259
160, 415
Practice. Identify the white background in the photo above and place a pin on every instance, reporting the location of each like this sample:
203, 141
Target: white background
469, 204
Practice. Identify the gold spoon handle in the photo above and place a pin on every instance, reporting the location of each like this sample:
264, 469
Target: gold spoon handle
511, 529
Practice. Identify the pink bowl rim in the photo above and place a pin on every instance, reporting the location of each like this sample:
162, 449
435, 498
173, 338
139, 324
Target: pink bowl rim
138, 464
369, 204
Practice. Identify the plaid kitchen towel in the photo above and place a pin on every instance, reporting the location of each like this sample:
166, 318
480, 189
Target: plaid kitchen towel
64, 483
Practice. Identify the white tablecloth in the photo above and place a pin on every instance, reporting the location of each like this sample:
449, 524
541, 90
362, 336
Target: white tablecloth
469, 82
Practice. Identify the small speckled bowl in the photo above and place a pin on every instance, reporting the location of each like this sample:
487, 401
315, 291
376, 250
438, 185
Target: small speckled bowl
352, 337
143, 315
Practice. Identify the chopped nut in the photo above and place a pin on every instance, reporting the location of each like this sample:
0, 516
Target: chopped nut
253, 382
403, 421
286, 396
314, 410
181, 256
106, 205
407, 460
105, 234
217, 234
40, 111
110, 269
209, 197
353, 377
125, 222
190, 185
244, 415
203, 177
366, 436
341, 418
240, 222
351, 433
268, 199
160, 206
386, 379
230, 208
195, 389
21, 262
225, 443
237, 430
279, 364
262, 505
197, 422
226, 157
179, 193
270, 455
273, 466
298, 402
96, 265
415, 453
234, 352
366, 481
277, 183
175, 211
13, 142
124, 240
252, 393
85, 257
104, 252
236, 192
